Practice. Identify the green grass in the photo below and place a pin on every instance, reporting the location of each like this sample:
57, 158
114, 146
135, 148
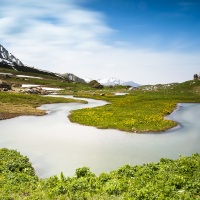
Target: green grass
52, 81
140, 111
16, 104
47, 80
14, 72
165, 180
143, 110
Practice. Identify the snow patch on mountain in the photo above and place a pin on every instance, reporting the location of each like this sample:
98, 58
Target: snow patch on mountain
8, 58
11, 61
113, 81
110, 81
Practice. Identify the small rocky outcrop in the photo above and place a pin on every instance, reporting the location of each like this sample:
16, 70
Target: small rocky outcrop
95, 84
72, 78
4, 86
6, 75
36, 90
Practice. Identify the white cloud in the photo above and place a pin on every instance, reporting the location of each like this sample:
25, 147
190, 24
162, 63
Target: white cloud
140, 66
61, 36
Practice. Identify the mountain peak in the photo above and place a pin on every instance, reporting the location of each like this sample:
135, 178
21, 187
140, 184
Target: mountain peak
8, 58
113, 81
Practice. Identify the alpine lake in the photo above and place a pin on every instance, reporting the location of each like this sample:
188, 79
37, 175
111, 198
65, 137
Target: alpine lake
54, 144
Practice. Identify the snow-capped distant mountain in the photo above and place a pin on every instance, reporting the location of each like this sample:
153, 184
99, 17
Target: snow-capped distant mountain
113, 81
10, 61
110, 81
8, 58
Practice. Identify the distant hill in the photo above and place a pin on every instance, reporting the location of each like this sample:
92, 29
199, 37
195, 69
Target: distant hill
73, 78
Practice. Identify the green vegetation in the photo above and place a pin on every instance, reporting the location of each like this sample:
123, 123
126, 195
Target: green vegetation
136, 112
167, 179
15, 104
142, 110
52, 81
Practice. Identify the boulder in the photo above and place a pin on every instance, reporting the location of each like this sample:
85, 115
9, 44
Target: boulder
95, 84
6, 75
5, 86
36, 90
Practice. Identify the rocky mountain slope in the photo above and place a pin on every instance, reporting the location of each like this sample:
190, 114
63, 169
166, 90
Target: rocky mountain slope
8, 60
73, 78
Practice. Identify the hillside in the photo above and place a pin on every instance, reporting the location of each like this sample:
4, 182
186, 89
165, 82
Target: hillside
141, 110
9, 62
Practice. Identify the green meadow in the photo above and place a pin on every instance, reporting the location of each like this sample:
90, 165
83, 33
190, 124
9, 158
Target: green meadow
141, 110
17, 104
165, 180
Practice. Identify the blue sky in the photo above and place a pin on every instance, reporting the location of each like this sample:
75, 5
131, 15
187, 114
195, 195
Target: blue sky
164, 21
146, 41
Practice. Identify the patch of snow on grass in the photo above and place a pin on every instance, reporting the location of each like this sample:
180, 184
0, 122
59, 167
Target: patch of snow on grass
121, 93
23, 76
44, 88
29, 85
52, 89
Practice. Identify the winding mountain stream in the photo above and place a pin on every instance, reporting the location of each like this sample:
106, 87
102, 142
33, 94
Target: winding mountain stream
55, 145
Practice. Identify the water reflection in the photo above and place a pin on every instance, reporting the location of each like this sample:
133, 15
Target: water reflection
54, 144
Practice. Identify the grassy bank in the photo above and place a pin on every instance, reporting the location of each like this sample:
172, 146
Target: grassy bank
133, 113
16, 104
141, 110
167, 179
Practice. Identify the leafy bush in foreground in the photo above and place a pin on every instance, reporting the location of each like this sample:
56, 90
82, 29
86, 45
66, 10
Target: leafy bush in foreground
167, 179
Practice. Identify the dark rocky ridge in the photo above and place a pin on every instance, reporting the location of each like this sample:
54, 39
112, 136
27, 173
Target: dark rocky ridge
8, 58
9, 61
73, 78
